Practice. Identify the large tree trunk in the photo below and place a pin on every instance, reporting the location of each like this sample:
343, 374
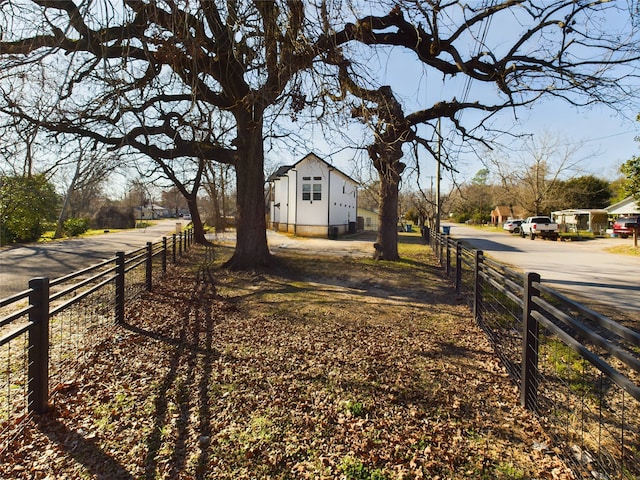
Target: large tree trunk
196, 220
251, 228
386, 159
387, 241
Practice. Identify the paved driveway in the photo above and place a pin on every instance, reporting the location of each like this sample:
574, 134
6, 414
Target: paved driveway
582, 268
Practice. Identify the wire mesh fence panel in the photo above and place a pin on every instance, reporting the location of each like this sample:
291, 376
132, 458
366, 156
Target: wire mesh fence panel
596, 420
135, 280
586, 386
157, 264
501, 319
14, 381
592, 395
65, 319
467, 276
74, 330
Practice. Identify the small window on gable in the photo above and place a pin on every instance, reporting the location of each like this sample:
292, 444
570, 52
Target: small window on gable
306, 191
317, 178
306, 178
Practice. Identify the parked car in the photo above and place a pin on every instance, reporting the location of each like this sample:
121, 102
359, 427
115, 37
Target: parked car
624, 226
539, 227
512, 226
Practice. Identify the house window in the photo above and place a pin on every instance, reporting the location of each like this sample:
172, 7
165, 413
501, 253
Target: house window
317, 191
306, 191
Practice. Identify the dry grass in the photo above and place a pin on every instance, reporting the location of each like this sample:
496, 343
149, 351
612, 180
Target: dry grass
322, 367
625, 250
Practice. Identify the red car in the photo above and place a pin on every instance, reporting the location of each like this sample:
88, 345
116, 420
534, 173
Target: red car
624, 226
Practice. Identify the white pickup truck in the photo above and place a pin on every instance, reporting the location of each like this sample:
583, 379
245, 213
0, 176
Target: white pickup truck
539, 227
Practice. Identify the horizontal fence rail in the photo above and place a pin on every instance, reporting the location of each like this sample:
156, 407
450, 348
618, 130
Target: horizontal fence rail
577, 370
47, 330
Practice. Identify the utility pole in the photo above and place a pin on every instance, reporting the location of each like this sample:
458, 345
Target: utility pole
437, 223
431, 201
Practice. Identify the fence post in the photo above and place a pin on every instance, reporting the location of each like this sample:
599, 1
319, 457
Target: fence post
173, 248
180, 243
458, 266
529, 385
448, 268
38, 389
120, 298
477, 289
164, 255
149, 267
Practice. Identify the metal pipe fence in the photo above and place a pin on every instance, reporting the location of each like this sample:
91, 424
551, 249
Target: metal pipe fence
48, 330
577, 370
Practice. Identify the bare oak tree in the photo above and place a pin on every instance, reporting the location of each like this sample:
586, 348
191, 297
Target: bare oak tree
82, 172
566, 49
532, 177
160, 77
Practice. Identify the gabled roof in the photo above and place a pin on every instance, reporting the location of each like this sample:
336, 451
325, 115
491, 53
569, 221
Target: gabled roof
282, 171
502, 210
513, 211
624, 207
329, 166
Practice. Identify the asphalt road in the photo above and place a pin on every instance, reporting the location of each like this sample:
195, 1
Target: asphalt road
583, 268
55, 259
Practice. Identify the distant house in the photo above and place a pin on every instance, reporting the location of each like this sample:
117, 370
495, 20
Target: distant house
502, 213
369, 220
150, 212
312, 198
624, 208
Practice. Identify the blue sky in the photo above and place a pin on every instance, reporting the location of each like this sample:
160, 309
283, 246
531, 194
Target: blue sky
606, 139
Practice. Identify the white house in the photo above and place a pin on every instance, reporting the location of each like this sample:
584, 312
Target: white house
312, 198
150, 212
626, 207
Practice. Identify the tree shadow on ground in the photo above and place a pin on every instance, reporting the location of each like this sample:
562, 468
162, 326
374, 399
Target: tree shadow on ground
83, 448
190, 365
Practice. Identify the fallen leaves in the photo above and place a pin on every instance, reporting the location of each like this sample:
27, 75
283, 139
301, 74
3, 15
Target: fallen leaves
294, 373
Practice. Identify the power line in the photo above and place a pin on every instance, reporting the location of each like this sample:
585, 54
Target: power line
603, 138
